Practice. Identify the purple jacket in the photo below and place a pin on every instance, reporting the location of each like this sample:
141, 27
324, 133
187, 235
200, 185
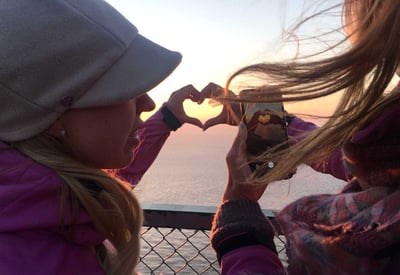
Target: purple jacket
31, 240
334, 165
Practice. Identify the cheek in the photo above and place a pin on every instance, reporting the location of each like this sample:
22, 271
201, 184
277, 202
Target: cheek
104, 146
102, 137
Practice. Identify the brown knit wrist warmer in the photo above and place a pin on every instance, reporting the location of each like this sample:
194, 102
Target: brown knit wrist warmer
240, 223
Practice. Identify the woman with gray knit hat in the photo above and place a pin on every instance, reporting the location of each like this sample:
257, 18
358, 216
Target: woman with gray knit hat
73, 81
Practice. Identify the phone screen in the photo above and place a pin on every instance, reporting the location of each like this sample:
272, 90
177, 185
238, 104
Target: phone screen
266, 128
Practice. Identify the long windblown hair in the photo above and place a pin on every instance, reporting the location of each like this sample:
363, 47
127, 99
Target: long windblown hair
361, 73
110, 203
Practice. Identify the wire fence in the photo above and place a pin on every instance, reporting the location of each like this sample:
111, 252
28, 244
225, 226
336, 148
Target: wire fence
176, 240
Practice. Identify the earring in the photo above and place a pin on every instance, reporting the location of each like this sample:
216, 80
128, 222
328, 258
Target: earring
63, 133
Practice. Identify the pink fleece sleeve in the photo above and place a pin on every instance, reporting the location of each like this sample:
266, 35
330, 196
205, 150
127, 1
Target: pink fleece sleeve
252, 259
153, 134
334, 164
32, 240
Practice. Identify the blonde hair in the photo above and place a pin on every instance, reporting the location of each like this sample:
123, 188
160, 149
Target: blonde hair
362, 73
111, 205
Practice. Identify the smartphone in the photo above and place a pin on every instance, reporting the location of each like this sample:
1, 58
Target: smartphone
266, 128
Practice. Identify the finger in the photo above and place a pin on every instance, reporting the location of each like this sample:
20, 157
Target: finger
183, 93
210, 123
242, 134
175, 102
194, 121
238, 186
220, 119
239, 144
238, 168
211, 90
195, 96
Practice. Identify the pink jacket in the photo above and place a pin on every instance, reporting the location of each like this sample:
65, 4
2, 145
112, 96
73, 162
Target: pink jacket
30, 235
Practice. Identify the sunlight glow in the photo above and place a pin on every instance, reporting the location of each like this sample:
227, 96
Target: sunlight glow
218, 37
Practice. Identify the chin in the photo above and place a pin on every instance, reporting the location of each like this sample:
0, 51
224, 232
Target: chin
123, 162
115, 164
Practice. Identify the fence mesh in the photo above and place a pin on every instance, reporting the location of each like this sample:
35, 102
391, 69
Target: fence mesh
182, 251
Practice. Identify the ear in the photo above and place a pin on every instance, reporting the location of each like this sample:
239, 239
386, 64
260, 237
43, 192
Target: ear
56, 129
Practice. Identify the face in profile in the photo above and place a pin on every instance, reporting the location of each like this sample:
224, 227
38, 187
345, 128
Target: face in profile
104, 137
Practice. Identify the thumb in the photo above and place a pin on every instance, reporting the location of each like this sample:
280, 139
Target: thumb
210, 123
195, 122
219, 119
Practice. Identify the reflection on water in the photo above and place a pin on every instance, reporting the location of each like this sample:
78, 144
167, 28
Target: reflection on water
191, 170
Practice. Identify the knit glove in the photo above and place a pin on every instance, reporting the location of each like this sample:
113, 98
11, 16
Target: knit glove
239, 223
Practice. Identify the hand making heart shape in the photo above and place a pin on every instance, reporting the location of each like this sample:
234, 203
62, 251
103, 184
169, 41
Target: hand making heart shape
230, 113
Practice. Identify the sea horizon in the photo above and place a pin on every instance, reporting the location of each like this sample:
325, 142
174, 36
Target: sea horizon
191, 170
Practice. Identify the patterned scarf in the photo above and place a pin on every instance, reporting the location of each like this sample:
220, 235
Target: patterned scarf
358, 230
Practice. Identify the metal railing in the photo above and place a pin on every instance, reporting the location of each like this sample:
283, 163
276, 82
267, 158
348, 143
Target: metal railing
176, 240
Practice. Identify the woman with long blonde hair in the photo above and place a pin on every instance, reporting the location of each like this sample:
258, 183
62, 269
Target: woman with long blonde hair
357, 230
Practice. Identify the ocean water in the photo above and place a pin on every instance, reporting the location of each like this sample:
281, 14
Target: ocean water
191, 170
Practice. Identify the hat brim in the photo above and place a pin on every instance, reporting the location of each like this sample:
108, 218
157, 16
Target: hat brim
142, 67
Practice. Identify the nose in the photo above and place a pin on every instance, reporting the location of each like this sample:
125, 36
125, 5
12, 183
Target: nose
145, 104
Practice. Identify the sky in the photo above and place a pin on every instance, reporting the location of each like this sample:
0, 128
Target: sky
217, 37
